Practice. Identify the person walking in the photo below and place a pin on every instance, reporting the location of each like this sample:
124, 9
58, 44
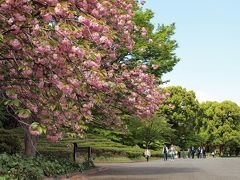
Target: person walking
192, 152
172, 152
204, 152
189, 153
147, 154
201, 152
214, 153
179, 154
165, 152
198, 151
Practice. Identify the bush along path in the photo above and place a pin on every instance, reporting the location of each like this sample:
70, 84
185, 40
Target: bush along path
21, 167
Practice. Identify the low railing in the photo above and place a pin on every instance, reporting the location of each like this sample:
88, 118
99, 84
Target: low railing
81, 150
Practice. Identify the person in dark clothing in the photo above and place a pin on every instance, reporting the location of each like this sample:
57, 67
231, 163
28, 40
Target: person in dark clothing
179, 154
204, 152
189, 153
165, 152
192, 152
198, 151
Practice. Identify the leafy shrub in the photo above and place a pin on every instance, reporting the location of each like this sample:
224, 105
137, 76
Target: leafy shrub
25, 168
9, 142
17, 167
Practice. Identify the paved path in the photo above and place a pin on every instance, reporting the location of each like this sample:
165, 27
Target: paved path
184, 169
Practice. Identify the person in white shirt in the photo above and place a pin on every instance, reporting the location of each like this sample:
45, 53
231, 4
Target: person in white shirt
147, 154
172, 152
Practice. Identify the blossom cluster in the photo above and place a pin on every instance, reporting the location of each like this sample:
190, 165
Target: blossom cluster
56, 60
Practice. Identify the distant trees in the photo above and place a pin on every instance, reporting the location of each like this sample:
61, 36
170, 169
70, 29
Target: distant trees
220, 122
213, 124
185, 122
181, 110
150, 133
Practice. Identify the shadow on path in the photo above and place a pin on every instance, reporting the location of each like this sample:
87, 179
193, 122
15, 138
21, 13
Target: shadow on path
138, 171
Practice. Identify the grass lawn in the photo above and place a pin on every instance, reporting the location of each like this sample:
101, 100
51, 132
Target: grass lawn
103, 150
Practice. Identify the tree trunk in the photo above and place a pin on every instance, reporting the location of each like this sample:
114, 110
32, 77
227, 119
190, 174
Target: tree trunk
30, 143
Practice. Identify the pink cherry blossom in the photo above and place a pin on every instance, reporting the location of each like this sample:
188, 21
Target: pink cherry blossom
15, 44
24, 116
58, 10
144, 32
155, 66
90, 64
52, 2
142, 50
61, 63
47, 17
33, 132
96, 37
20, 17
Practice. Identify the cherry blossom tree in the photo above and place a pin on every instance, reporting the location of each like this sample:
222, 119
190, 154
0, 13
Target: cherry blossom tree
57, 70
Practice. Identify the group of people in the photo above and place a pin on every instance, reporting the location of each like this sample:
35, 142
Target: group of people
200, 152
164, 151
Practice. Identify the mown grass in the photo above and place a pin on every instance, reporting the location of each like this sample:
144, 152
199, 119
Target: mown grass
103, 150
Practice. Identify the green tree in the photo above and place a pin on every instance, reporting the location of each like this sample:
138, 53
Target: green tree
181, 110
156, 50
221, 121
151, 133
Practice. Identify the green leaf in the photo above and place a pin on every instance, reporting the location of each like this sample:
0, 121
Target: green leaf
22, 68
1, 38
35, 125
7, 102
44, 130
40, 129
52, 107
15, 102
23, 112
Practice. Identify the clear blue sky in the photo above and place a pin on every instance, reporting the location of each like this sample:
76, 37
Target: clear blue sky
208, 34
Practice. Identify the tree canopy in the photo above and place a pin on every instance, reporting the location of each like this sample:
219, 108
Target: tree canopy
221, 122
56, 69
153, 47
181, 111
